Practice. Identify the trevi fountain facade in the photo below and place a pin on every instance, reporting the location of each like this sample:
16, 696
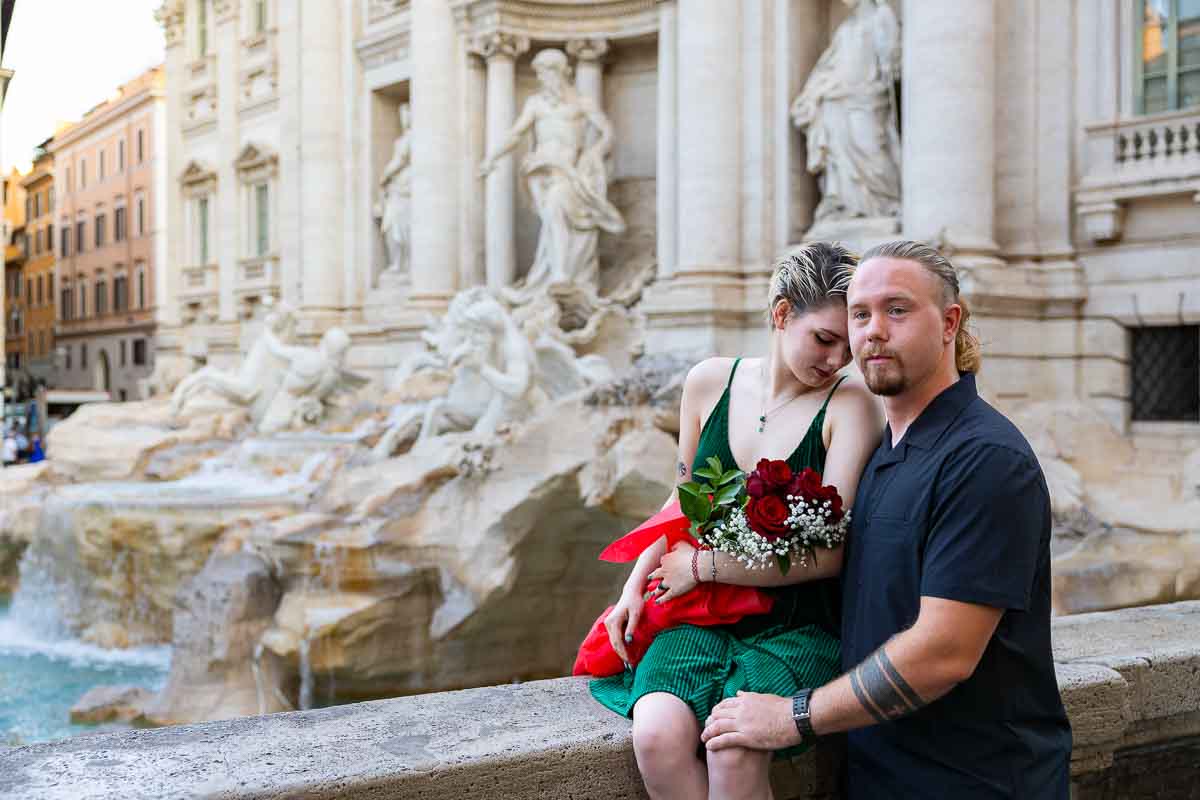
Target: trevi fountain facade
437, 269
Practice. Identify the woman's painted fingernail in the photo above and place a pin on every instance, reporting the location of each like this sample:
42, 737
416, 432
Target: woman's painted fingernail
629, 638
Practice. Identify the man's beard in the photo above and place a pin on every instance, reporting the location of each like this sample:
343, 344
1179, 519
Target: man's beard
883, 381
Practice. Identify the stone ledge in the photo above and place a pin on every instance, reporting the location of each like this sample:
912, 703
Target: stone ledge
1130, 679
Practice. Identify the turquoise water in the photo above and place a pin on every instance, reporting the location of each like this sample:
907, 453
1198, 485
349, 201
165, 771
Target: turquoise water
42, 675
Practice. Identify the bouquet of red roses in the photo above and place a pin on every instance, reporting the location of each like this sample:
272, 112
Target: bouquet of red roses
768, 515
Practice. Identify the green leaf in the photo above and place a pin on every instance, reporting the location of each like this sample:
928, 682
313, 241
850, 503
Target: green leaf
691, 487
715, 464
707, 473
785, 564
731, 475
697, 508
727, 495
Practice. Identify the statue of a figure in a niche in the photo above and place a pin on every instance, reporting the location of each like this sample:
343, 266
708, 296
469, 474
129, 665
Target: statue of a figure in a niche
847, 110
567, 177
394, 210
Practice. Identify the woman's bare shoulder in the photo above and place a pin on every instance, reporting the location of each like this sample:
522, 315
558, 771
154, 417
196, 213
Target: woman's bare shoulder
853, 401
708, 375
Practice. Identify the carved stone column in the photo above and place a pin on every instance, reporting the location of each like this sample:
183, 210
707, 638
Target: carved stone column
166, 276
500, 51
949, 150
589, 67
226, 232
667, 154
436, 153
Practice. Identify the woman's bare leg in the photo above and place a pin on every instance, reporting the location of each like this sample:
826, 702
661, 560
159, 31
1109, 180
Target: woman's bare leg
736, 773
666, 735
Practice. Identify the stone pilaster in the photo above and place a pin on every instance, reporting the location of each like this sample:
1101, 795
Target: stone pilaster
226, 211
667, 172
166, 277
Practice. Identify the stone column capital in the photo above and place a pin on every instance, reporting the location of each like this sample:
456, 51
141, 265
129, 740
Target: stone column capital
170, 17
505, 45
588, 49
225, 9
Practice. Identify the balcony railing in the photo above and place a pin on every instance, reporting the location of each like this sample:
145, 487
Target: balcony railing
1128, 159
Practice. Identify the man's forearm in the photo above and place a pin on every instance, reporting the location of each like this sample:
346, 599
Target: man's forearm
901, 677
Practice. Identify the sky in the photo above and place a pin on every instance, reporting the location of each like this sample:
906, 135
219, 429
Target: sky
68, 56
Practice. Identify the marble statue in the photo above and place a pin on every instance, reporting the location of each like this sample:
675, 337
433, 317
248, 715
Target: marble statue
567, 176
493, 366
847, 111
255, 383
394, 210
312, 377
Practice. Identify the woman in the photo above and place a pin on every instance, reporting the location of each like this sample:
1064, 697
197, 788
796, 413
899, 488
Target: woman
790, 405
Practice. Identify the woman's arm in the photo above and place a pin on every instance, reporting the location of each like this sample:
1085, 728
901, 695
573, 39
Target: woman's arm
697, 396
853, 424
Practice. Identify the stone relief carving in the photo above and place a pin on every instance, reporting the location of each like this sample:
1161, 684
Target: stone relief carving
500, 364
312, 378
255, 383
281, 385
394, 209
567, 177
847, 111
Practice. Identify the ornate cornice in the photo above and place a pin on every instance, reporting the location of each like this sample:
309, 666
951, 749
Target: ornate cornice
381, 9
378, 49
256, 161
499, 44
198, 178
557, 20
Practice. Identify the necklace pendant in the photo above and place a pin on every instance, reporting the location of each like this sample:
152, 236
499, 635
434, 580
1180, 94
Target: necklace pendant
762, 424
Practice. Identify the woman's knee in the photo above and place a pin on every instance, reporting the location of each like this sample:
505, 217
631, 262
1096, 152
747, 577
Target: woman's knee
664, 731
737, 766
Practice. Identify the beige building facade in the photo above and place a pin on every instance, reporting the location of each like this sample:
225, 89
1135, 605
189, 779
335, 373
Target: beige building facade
1049, 146
109, 241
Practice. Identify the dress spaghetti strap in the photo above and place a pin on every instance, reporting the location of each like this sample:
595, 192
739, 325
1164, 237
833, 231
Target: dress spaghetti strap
825, 405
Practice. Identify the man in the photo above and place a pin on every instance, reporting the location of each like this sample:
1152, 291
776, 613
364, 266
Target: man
950, 690
567, 176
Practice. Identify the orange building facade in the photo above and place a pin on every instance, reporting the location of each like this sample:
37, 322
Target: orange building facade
38, 280
107, 167
14, 278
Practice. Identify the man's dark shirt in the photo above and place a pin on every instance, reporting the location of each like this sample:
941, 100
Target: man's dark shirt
958, 510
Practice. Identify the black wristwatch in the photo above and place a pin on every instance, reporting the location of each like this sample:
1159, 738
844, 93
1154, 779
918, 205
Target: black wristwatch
801, 715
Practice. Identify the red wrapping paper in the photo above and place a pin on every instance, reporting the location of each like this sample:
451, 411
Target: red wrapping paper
707, 604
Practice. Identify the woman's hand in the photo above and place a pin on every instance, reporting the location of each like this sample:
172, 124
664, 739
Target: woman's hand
675, 572
622, 620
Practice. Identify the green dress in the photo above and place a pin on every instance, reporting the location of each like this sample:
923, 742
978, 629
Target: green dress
794, 646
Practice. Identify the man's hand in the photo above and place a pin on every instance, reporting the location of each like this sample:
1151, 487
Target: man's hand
753, 721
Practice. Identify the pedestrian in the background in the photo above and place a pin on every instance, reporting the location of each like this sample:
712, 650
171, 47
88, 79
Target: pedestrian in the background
36, 453
10, 449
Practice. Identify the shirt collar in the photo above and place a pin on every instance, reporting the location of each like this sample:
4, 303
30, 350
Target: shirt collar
927, 428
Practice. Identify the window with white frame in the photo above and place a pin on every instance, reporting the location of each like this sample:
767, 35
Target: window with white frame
1167, 62
100, 174
119, 229
257, 168
199, 185
202, 237
120, 292
83, 300
121, 156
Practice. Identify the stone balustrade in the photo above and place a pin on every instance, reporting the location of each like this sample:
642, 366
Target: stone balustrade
1139, 157
1130, 680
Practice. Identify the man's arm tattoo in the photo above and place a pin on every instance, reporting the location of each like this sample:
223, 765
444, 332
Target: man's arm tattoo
882, 690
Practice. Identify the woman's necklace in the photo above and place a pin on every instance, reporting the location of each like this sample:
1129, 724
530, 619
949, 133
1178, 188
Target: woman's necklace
762, 418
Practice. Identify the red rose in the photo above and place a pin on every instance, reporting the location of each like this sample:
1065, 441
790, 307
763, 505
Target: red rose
768, 516
756, 486
777, 474
830, 494
806, 484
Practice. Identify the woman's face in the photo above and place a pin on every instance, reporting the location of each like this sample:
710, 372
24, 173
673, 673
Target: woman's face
814, 344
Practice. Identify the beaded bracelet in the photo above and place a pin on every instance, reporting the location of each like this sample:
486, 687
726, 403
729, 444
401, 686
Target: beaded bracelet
714, 566
695, 565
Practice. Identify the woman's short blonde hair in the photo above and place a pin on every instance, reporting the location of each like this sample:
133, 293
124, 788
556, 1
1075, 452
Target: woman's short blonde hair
810, 277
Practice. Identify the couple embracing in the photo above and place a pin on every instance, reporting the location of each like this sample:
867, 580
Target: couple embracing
926, 636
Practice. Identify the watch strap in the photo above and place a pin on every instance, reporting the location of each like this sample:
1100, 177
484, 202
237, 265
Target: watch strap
801, 715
